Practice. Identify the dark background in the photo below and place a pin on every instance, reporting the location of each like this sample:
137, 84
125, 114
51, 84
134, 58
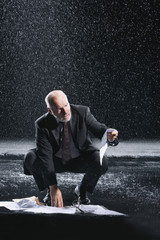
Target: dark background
102, 53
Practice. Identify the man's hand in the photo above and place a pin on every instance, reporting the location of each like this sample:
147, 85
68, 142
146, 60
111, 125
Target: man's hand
56, 196
112, 134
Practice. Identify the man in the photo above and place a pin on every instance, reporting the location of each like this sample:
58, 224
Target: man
63, 144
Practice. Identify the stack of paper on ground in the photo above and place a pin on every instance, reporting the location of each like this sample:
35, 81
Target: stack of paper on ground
30, 205
98, 210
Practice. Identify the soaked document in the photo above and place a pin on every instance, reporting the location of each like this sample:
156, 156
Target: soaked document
30, 205
27, 205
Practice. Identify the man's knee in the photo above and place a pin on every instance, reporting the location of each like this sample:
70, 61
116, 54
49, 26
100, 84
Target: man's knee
29, 160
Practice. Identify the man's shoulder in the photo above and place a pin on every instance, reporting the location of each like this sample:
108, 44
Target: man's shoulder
79, 108
41, 118
45, 121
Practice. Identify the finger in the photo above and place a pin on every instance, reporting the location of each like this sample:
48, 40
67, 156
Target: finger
60, 203
56, 203
114, 135
109, 135
114, 132
52, 203
111, 138
114, 138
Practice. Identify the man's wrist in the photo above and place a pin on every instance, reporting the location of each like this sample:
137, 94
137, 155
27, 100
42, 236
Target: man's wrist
51, 187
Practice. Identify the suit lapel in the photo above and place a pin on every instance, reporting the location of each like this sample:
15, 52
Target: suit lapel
74, 124
53, 126
55, 133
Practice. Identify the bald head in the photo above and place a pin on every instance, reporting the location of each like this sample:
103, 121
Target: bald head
53, 96
58, 105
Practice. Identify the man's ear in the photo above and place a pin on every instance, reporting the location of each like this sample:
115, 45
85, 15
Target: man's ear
49, 110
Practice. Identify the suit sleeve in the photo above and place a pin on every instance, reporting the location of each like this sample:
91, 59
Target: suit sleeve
45, 154
95, 127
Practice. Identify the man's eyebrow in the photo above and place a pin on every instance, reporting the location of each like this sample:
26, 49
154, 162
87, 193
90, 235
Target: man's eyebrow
58, 107
62, 107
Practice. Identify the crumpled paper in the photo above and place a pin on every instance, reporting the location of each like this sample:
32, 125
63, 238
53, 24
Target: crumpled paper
33, 205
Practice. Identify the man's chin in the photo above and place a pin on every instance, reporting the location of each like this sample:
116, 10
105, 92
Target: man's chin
67, 119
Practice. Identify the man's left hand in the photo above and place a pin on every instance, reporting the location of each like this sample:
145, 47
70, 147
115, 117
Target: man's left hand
112, 134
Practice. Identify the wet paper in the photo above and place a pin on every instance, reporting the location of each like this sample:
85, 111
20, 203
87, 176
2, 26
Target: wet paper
30, 205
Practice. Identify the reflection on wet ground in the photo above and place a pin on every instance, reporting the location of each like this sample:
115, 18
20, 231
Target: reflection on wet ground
131, 187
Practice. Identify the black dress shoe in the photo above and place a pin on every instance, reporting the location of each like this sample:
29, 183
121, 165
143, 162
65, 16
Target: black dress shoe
82, 197
47, 198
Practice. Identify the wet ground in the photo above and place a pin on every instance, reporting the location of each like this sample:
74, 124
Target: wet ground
131, 186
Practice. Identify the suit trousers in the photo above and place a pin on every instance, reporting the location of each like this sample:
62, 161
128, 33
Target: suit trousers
88, 162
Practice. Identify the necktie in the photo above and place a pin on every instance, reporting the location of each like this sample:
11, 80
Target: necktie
66, 147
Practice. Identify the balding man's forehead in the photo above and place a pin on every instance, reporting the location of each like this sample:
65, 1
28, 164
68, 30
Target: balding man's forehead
55, 94
60, 101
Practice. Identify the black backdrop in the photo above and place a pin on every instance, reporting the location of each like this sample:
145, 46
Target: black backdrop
102, 53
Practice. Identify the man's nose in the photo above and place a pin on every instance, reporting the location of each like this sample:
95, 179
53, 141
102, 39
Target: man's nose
64, 111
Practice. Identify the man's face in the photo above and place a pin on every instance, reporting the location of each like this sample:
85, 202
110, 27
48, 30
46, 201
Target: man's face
61, 108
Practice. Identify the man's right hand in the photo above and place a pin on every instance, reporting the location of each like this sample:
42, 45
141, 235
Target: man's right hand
56, 196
